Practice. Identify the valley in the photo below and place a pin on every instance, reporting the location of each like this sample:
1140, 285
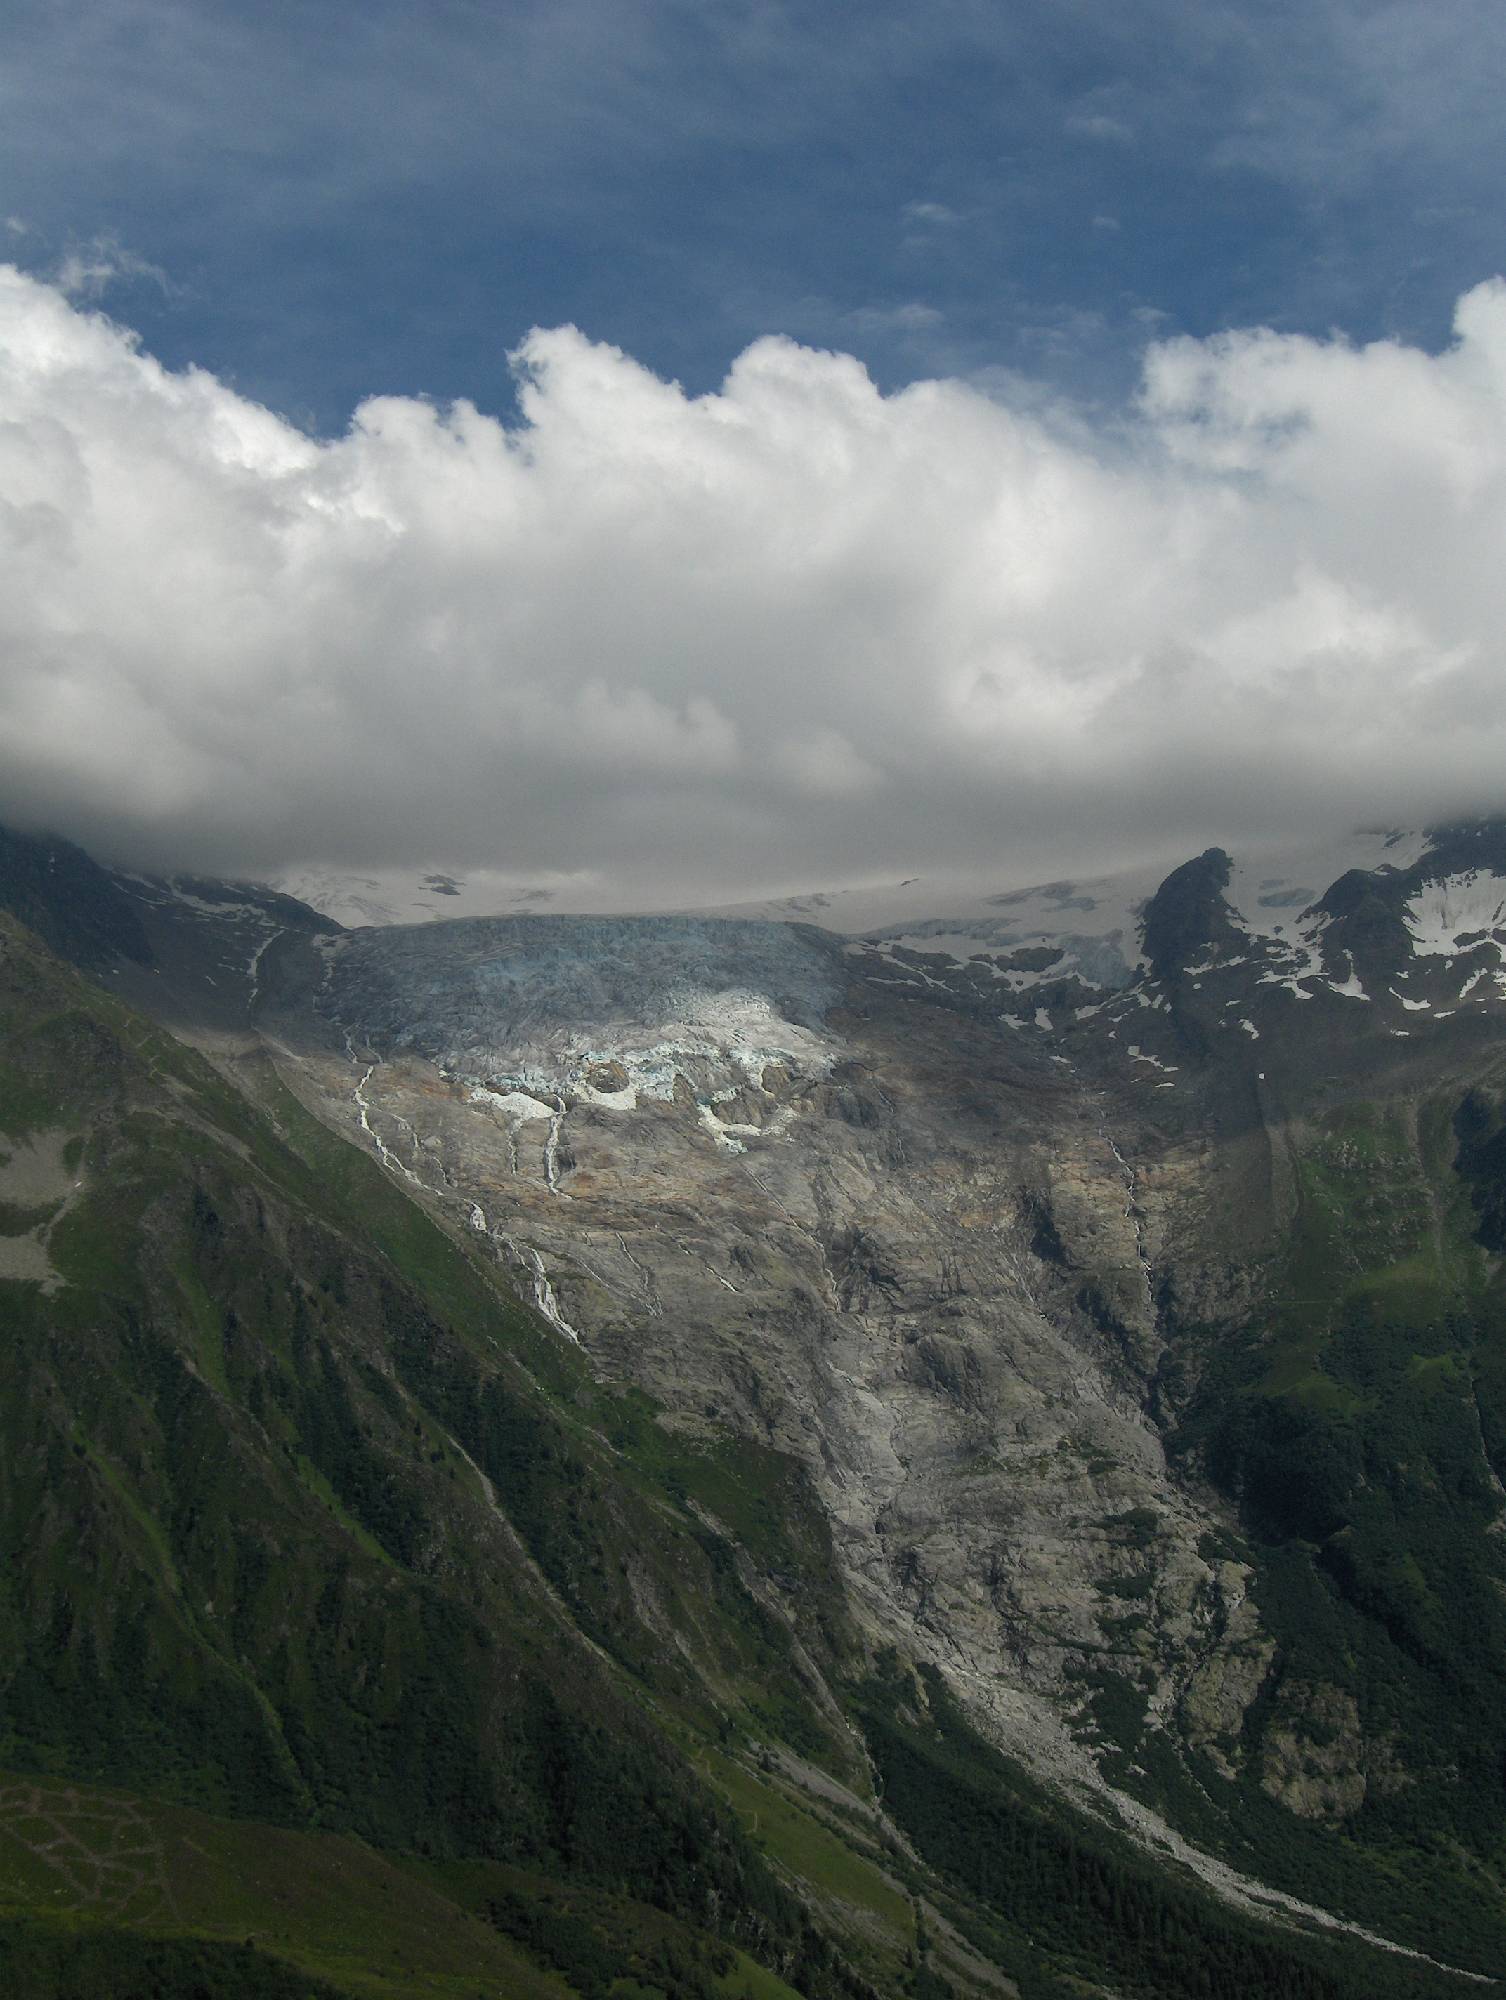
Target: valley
1024, 1379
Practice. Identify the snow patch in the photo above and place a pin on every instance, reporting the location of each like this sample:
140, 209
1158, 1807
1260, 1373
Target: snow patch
1458, 906
1350, 987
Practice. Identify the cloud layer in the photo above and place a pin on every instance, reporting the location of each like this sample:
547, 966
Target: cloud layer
790, 633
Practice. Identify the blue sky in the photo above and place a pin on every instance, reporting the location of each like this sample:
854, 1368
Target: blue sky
1017, 437
384, 198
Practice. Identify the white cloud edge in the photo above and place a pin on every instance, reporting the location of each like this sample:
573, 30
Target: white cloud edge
703, 643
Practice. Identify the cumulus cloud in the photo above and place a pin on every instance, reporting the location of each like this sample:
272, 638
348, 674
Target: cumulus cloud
790, 633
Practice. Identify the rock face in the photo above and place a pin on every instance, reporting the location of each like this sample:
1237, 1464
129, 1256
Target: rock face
991, 1221
930, 1254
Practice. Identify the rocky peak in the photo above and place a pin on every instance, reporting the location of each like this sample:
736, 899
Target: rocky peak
1187, 917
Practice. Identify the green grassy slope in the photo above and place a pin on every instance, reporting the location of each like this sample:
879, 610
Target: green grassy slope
301, 1519
89, 1869
1359, 1421
102, 1892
